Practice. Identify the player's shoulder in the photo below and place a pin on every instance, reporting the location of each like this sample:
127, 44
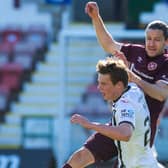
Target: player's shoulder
134, 46
134, 95
134, 89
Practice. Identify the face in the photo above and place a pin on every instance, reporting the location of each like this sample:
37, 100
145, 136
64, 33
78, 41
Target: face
106, 87
154, 42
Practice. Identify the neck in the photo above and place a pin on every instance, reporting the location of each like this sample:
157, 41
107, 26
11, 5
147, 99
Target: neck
120, 93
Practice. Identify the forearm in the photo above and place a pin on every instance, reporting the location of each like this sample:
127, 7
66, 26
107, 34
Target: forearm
153, 90
158, 90
104, 37
115, 133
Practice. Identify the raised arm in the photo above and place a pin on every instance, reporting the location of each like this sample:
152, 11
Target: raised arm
104, 37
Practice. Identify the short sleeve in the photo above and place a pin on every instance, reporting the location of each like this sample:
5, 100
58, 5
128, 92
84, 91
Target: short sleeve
163, 73
126, 113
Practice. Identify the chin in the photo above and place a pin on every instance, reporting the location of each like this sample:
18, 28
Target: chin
152, 55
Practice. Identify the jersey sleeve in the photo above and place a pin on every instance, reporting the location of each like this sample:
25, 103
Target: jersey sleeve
126, 49
163, 73
131, 51
126, 113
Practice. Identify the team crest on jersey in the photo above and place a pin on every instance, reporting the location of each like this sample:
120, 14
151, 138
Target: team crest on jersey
152, 66
127, 113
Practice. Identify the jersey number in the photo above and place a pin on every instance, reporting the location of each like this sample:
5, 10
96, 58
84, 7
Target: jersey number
147, 132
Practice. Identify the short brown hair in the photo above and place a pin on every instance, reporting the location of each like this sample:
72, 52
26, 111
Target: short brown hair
115, 68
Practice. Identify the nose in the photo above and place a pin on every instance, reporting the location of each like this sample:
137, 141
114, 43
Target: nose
151, 43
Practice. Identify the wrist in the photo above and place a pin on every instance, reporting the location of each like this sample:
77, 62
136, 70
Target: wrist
138, 80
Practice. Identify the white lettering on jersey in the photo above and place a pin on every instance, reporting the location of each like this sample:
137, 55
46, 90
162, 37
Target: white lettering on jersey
132, 68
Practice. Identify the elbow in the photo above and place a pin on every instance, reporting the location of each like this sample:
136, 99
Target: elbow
164, 97
109, 46
126, 132
127, 137
161, 98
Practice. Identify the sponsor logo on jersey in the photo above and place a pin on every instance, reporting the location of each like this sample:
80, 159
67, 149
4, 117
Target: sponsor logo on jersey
127, 113
132, 67
152, 66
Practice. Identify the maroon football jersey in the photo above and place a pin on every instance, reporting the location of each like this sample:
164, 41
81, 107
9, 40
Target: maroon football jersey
150, 70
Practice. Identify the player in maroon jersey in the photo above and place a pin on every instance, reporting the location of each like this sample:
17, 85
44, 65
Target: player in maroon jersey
149, 65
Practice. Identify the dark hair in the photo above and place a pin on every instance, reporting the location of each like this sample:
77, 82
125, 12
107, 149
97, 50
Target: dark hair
160, 25
115, 68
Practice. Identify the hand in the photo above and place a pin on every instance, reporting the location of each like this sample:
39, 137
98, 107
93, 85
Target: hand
120, 55
133, 77
83, 121
92, 9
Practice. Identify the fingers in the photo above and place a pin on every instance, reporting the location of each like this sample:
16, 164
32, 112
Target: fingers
77, 119
74, 118
120, 55
91, 7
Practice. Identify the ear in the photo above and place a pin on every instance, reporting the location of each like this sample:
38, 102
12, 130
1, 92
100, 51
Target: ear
120, 85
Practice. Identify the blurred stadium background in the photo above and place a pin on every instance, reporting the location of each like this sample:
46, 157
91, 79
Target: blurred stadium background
48, 52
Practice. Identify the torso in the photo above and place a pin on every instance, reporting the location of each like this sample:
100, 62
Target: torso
150, 70
132, 108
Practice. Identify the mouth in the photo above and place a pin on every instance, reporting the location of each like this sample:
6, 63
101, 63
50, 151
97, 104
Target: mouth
152, 49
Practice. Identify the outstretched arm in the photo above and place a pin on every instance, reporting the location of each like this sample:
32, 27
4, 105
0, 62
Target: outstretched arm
122, 132
104, 37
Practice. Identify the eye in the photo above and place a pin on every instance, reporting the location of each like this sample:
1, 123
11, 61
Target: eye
157, 40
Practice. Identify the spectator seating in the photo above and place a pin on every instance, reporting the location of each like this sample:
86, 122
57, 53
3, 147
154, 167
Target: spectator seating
92, 103
4, 100
12, 35
11, 76
20, 50
5, 52
27, 61
25, 53
37, 35
4, 58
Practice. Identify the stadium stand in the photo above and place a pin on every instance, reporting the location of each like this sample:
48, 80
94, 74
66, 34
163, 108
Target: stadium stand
24, 42
4, 100
5, 52
158, 13
92, 104
12, 35
11, 77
